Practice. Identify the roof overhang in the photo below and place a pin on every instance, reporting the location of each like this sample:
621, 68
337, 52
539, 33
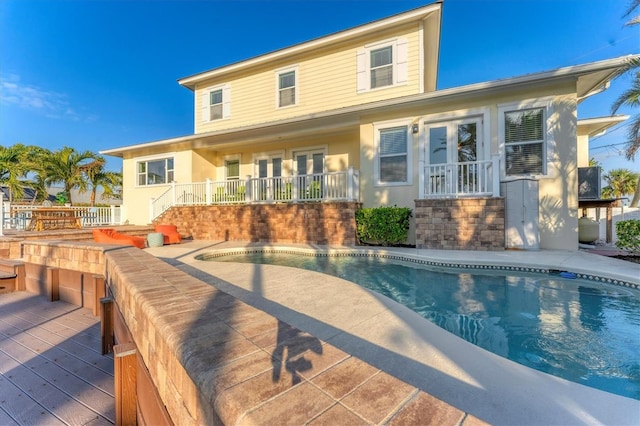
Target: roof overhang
595, 126
586, 77
417, 14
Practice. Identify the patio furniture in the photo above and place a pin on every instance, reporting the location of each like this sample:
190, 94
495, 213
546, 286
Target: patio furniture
111, 236
170, 233
53, 218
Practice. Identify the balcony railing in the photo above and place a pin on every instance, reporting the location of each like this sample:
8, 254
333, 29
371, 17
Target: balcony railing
473, 178
332, 186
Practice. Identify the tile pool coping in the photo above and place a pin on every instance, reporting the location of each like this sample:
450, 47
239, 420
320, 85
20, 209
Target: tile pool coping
402, 344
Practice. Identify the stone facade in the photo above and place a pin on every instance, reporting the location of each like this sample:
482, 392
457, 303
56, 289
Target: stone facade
460, 224
304, 223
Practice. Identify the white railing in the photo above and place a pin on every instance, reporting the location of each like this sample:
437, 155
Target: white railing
333, 186
18, 216
473, 178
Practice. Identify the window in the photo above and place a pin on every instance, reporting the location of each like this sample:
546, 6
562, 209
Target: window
393, 155
233, 169
155, 172
524, 140
216, 103
286, 88
382, 65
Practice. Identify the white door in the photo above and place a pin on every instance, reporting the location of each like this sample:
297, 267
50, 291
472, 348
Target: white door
269, 172
309, 167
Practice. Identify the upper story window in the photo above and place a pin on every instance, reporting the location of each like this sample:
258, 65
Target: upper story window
155, 172
382, 65
393, 161
287, 82
524, 142
216, 103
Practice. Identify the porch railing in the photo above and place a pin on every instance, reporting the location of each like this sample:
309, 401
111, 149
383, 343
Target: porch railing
473, 178
18, 216
332, 186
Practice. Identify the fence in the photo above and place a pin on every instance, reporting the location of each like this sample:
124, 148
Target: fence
18, 216
472, 178
619, 213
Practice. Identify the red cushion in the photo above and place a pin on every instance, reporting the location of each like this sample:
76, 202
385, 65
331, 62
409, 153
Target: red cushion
170, 233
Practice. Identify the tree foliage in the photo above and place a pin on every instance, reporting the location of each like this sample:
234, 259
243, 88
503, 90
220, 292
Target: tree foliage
620, 182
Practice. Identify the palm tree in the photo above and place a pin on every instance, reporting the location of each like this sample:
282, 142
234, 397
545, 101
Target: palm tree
16, 162
67, 166
620, 182
631, 98
98, 177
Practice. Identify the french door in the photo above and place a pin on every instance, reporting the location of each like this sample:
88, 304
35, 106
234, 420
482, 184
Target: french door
452, 151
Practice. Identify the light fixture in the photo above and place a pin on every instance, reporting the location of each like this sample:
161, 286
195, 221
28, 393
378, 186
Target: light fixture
414, 128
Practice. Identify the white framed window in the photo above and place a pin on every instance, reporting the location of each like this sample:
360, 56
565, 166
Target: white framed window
525, 138
155, 171
216, 103
232, 169
393, 154
382, 65
287, 85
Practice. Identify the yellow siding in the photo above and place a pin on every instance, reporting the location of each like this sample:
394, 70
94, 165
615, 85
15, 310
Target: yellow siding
326, 81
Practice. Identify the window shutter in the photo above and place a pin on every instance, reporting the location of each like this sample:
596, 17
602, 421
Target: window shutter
205, 106
362, 74
402, 63
226, 102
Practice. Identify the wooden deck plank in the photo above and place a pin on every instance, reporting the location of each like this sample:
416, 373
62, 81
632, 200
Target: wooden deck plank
49, 352
52, 398
17, 408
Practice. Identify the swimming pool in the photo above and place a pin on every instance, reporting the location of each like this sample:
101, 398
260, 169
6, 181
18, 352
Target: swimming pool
576, 329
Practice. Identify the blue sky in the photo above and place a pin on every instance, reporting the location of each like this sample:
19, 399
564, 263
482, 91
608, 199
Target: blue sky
102, 74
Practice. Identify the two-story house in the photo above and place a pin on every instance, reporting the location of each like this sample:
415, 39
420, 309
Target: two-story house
354, 118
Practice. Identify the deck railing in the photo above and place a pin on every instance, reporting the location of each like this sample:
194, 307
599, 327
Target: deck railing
18, 216
472, 178
331, 186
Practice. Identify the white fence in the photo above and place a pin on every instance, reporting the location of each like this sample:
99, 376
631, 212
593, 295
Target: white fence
18, 216
333, 186
618, 214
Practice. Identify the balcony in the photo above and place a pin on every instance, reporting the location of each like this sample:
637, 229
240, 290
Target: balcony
467, 179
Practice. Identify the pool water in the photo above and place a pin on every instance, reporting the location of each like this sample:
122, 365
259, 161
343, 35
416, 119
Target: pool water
579, 330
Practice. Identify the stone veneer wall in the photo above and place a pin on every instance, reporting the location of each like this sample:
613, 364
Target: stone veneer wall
460, 224
308, 223
212, 357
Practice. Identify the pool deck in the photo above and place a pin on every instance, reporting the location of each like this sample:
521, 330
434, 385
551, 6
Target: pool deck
398, 341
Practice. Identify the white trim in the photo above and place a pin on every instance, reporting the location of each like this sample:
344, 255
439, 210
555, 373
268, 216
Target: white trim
546, 104
381, 125
222, 175
399, 64
421, 57
205, 98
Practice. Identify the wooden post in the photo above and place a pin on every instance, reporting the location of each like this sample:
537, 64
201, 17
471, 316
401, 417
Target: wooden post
98, 293
106, 324
609, 224
125, 361
53, 284
21, 277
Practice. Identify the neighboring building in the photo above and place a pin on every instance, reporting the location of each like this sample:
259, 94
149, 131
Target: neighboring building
362, 104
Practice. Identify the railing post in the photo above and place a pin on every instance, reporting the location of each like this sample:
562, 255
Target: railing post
106, 324
151, 216
350, 183
248, 191
495, 168
53, 284
207, 191
173, 193
125, 363
112, 215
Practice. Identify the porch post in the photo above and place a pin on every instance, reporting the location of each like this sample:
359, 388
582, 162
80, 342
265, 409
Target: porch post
495, 179
207, 191
350, 183
248, 193
151, 201
112, 215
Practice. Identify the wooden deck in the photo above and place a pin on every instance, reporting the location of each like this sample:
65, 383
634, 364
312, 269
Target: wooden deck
51, 369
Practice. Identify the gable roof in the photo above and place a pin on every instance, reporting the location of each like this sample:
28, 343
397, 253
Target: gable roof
417, 14
589, 79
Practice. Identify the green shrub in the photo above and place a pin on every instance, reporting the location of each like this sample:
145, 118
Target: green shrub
383, 225
628, 232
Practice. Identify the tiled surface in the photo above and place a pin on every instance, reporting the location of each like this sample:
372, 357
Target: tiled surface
395, 341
